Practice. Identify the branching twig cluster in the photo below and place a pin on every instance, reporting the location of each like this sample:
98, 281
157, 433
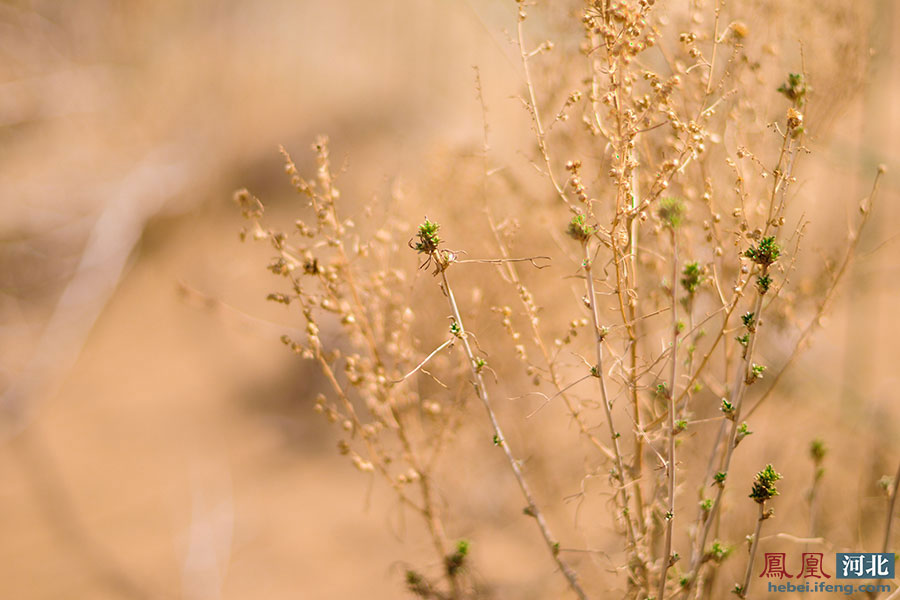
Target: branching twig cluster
678, 205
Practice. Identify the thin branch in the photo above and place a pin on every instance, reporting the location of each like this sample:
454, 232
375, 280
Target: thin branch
762, 517
532, 259
866, 209
607, 405
890, 512
670, 464
449, 342
500, 439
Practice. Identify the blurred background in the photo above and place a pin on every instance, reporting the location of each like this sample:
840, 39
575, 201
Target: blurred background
156, 440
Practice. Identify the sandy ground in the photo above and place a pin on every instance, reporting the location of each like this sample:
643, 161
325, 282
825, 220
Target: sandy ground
170, 451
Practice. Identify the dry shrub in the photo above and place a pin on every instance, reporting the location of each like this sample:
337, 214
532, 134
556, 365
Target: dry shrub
631, 273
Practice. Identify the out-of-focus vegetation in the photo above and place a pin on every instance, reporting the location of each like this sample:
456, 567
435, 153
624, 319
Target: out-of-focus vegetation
158, 441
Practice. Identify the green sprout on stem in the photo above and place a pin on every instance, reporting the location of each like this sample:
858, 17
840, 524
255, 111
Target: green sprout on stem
692, 277
817, 450
719, 552
727, 407
766, 253
706, 505
742, 431
795, 88
417, 584
749, 320
763, 283
756, 372
671, 211
662, 391
578, 230
455, 561
764, 485
455, 329
428, 238
719, 478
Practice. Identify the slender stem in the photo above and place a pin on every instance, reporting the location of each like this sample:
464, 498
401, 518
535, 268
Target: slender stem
637, 467
607, 405
631, 325
535, 112
429, 512
890, 513
481, 391
737, 394
866, 209
684, 396
712, 61
670, 466
531, 309
814, 500
762, 517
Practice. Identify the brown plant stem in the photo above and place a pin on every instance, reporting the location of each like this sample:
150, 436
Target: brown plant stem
866, 209
607, 404
890, 512
481, 391
753, 548
737, 395
670, 465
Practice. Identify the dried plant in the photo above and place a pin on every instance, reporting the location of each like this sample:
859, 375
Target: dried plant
660, 190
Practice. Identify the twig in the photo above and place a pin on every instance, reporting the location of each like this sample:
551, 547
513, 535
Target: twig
500, 439
866, 209
531, 259
670, 464
737, 394
890, 512
533, 109
607, 404
762, 517
424, 362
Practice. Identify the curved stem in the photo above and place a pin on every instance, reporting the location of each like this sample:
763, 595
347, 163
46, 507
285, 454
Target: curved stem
737, 395
762, 517
481, 391
670, 465
890, 513
607, 404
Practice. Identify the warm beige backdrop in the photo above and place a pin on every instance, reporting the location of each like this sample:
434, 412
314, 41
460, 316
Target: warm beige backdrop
162, 445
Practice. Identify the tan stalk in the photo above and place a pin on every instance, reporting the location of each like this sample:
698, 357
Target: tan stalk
481, 391
607, 404
670, 464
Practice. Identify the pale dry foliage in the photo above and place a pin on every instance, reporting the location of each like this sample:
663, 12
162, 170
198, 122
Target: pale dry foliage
638, 267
